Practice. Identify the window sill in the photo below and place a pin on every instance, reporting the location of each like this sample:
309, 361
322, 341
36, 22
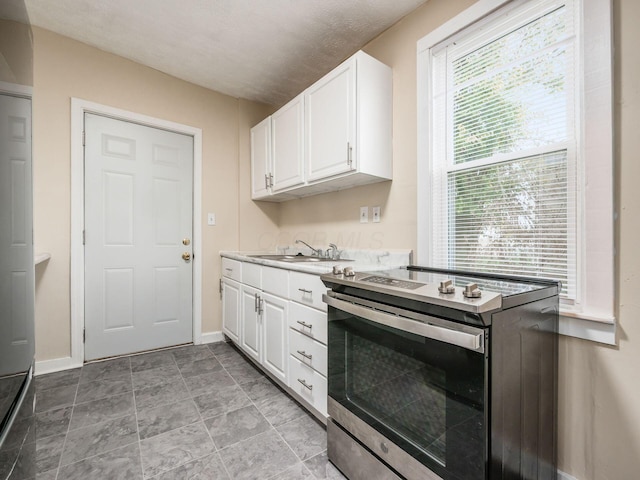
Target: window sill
595, 328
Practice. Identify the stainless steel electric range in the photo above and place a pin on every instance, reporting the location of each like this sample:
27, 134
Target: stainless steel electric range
440, 374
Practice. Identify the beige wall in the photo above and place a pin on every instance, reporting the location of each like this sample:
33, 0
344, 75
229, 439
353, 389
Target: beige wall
599, 406
16, 53
64, 69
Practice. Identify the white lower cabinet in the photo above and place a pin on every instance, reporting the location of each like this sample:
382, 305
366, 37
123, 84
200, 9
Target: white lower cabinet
274, 335
250, 337
277, 318
231, 309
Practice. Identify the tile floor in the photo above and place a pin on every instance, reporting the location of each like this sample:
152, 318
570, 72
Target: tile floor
200, 412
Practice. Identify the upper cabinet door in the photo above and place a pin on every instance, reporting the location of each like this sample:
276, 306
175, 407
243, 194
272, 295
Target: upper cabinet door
331, 123
287, 134
260, 158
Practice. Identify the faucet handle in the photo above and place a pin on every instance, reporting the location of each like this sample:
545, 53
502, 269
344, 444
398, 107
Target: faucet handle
333, 252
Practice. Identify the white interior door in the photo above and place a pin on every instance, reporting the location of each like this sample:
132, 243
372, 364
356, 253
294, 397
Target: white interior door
138, 226
16, 237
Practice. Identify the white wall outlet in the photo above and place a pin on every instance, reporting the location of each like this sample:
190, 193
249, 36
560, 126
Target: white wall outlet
375, 214
211, 218
364, 214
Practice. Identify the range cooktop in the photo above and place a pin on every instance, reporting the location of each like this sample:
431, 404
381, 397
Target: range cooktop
466, 291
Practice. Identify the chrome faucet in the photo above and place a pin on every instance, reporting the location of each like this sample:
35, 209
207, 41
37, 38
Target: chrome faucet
316, 251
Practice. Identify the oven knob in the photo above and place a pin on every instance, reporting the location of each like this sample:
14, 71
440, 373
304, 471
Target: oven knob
471, 290
348, 272
446, 287
337, 270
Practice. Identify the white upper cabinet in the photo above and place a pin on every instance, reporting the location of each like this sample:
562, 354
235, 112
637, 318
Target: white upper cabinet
260, 159
336, 134
287, 137
331, 123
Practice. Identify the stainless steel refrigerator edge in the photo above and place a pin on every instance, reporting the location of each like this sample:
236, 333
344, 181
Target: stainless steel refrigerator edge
17, 342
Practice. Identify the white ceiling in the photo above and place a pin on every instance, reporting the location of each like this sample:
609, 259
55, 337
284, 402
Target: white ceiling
263, 50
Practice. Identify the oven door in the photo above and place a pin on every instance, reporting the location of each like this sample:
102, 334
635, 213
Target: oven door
410, 387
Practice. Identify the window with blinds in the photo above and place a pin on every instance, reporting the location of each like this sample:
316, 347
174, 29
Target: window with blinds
503, 169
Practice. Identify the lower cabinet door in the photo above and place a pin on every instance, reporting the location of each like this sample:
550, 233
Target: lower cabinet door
309, 384
251, 328
275, 329
231, 309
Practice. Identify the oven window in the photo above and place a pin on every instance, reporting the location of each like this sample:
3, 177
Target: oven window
426, 396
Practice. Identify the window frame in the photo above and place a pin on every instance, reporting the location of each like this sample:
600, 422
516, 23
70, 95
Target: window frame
591, 316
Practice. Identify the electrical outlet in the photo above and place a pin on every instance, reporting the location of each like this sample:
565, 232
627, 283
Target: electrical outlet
375, 214
364, 214
211, 219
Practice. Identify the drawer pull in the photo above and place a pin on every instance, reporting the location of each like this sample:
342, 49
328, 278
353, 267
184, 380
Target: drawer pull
305, 384
304, 290
305, 354
306, 325
229, 269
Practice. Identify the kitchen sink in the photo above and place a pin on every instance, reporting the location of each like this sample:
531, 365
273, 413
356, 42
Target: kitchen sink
297, 258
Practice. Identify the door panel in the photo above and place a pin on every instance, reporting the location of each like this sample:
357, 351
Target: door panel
330, 115
231, 309
287, 134
250, 331
260, 158
138, 208
118, 298
275, 325
16, 245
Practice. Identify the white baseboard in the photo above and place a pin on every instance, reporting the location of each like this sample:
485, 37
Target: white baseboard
67, 363
211, 337
565, 476
56, 365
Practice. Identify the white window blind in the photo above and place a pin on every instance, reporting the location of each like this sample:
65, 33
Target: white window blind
504, 141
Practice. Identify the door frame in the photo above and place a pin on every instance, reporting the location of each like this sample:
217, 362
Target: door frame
78, 108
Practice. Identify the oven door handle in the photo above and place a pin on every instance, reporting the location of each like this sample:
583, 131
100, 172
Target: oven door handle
472, 339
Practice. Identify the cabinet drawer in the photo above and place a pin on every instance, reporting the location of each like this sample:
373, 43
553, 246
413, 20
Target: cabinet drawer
309, 321
309, 384
252, 274
308, 351
275, 281
232, 269
307, 289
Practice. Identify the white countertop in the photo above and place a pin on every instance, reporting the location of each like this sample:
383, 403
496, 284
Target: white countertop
360, 260
41, 257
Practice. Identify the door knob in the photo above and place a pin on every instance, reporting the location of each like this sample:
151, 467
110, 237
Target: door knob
186, 256
186, 241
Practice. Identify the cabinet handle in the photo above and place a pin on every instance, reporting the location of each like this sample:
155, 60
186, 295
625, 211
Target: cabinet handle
349, 153
271, 180
304, 354
260, 304
306, 325
229, 269
221, 288
255, 302
266, 181
305, 291
305, 384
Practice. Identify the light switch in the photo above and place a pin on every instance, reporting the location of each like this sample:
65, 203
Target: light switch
211, 219
364, 214
375, 214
